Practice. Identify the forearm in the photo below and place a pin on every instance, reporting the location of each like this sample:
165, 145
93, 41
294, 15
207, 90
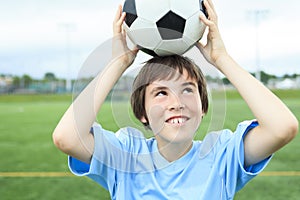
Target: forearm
72, 133
88, 103
268, 109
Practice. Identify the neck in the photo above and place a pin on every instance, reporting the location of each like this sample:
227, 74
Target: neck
173, 151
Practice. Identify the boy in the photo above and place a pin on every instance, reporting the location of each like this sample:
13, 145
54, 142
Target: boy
169, 98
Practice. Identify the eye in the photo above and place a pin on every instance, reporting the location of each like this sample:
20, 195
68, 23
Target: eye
187, 90
161, 93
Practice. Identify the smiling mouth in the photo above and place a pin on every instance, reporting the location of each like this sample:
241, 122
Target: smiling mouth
177, 120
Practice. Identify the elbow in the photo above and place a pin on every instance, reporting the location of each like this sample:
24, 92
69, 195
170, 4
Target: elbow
295, 128
58, 140
61, 142
291, 129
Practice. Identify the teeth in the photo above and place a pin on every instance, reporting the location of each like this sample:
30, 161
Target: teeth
177, 120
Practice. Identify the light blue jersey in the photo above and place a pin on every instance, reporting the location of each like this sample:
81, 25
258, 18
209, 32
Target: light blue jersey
130, 166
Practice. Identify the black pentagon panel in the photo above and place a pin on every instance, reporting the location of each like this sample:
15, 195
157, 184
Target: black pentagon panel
130, 9
130, 18
202, 8
171, 26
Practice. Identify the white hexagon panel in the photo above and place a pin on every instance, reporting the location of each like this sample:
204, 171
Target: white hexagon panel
141, 29
194, 29
185, 11
152, 10
169, 47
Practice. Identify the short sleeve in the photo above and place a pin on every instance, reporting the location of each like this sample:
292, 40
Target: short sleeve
114, 154
98, 170
247, 173
231, 159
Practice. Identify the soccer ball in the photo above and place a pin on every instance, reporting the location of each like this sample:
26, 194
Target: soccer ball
164, 27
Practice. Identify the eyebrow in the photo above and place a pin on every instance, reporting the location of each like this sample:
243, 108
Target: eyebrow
189, 84
159, 88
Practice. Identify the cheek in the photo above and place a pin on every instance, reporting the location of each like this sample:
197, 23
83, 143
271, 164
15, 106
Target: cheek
194, 103
195, 109
198, 106
154, 112
155, 115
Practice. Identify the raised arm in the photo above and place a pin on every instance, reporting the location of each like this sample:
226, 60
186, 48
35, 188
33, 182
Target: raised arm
72, 132
277, 124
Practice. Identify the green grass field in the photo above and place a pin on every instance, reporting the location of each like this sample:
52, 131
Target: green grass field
27, 151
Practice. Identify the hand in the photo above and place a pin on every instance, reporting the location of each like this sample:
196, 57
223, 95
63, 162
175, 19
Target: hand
214, 48
120, 50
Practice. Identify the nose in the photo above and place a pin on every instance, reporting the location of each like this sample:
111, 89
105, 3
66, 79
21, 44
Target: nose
175, 103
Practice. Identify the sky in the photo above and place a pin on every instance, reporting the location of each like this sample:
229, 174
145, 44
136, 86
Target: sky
58, 36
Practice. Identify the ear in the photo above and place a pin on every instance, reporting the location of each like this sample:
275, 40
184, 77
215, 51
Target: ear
203, 114
144, 120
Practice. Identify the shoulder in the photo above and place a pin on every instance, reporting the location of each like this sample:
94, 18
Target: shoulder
216, 140
240, 131
123, 134
127, 138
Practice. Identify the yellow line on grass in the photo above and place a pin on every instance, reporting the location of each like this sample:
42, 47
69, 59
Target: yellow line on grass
280, 173
35, 174
68, 174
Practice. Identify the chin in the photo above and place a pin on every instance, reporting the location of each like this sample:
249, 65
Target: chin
177, 135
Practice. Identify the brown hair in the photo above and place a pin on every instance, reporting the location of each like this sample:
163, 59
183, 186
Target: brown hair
165, 68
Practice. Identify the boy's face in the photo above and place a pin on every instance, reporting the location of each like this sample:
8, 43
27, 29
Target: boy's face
174, 109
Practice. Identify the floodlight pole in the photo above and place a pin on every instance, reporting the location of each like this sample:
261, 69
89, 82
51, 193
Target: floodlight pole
68, 28
258, 14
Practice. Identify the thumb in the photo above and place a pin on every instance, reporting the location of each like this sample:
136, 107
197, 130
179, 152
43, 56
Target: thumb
200, 46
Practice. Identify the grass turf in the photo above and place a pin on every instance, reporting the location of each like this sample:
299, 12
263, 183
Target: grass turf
27, 123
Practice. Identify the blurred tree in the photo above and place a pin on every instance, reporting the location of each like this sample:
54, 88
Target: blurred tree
265, 77
49, 76
26, 80
16, 82
226, 81
292, 76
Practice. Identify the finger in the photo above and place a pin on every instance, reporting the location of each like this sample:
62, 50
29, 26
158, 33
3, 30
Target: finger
204, 19
118, 13
122, 18
118, 23
210, 10
211, 4
119, 19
